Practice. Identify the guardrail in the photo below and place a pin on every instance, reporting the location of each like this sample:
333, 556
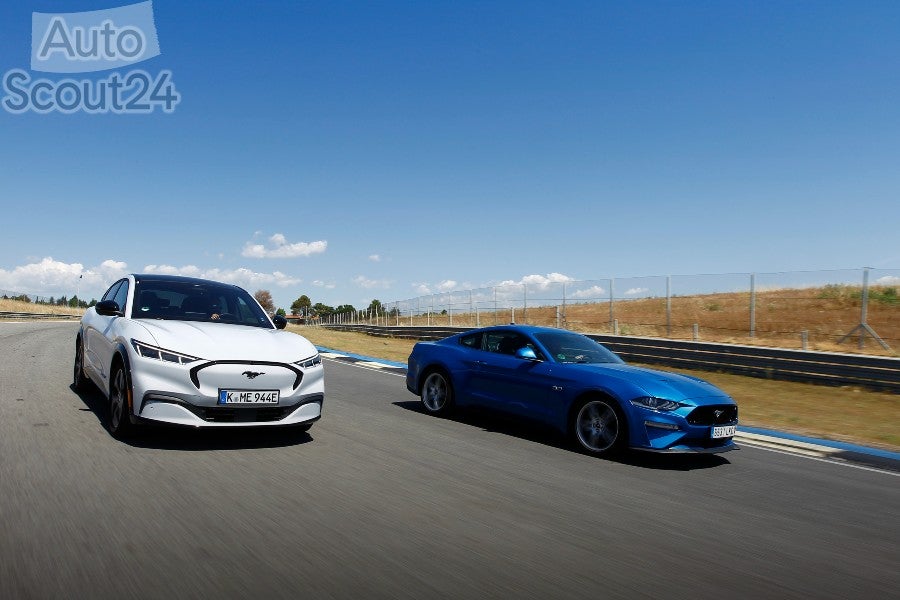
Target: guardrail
872, 372
24, 315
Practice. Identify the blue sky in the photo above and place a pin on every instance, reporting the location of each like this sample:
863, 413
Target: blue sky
354, 150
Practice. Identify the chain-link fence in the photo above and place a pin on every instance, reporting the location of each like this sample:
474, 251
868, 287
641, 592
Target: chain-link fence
838, 310
73, 302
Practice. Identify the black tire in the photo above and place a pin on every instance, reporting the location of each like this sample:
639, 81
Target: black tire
79, 381
437, 393
119, 424
599, 427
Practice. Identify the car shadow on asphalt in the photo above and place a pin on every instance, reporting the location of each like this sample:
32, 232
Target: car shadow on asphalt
162, 437
539, 433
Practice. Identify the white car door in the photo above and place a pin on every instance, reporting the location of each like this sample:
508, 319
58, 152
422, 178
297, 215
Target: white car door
100, 337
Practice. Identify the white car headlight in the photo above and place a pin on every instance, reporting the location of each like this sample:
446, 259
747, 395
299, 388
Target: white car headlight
660, 404
309, 362
148, 351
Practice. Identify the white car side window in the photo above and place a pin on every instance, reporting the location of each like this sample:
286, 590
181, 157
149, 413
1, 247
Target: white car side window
122, 295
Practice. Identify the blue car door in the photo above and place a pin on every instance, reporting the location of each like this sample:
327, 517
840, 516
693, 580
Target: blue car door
513, 384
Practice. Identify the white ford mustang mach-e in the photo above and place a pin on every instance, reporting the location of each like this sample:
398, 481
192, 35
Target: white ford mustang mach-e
194, 352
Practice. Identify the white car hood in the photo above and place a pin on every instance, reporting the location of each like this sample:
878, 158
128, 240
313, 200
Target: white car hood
225, 341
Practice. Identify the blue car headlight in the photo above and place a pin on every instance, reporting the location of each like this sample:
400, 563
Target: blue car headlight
148, 351
660, 404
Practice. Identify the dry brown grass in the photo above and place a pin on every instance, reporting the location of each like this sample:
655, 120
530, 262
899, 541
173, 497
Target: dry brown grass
826, 314
836, 413
44, 309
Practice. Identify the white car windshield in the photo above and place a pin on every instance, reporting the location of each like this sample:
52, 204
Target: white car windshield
196, 301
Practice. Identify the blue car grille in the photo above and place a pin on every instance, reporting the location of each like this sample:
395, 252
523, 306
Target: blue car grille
718, 414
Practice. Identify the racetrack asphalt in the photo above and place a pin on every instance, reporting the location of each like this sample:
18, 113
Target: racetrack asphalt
380, 500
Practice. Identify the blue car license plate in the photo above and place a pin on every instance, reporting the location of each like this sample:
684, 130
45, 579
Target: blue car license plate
722, 431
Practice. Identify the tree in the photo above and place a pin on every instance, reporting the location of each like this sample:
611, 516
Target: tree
73, 302
322, 310
301, 305
264, 297
344, 308
375, 307
281, 312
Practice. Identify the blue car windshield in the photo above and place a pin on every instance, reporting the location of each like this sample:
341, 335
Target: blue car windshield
196, 301
568, 347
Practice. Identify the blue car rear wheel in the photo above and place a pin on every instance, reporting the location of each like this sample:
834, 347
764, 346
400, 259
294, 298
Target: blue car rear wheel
437, 393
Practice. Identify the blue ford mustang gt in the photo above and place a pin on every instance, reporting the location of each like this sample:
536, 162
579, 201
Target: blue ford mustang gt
571, 382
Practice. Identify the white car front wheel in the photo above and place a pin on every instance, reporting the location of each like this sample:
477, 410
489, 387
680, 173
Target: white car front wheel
120, 403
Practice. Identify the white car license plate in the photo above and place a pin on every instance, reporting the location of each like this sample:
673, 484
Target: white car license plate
248, 396
723, 431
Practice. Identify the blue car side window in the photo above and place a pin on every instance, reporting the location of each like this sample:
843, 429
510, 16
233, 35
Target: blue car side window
471, 341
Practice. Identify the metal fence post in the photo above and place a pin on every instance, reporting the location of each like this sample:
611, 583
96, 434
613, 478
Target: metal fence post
525, 303
612, 316
668, 305
752, 304
495, 306
863, 327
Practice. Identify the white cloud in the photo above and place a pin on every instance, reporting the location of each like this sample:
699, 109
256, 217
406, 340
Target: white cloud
375, 257
324, 284
245, 278
280, 248
636, 291
50, 277
539, 281
593, 292
443, 287
366, 283
186, 271
888, 280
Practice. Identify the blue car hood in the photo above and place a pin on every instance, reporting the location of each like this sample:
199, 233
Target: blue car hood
661, 384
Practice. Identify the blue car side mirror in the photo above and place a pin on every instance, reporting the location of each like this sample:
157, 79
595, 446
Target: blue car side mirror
526, 354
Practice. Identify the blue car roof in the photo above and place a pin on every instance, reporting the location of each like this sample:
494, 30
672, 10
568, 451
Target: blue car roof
521, 328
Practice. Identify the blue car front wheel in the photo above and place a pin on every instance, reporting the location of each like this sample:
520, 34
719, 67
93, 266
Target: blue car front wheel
599, 427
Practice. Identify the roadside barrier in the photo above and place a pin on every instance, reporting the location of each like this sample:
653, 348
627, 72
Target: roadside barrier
22, 315
826, 368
